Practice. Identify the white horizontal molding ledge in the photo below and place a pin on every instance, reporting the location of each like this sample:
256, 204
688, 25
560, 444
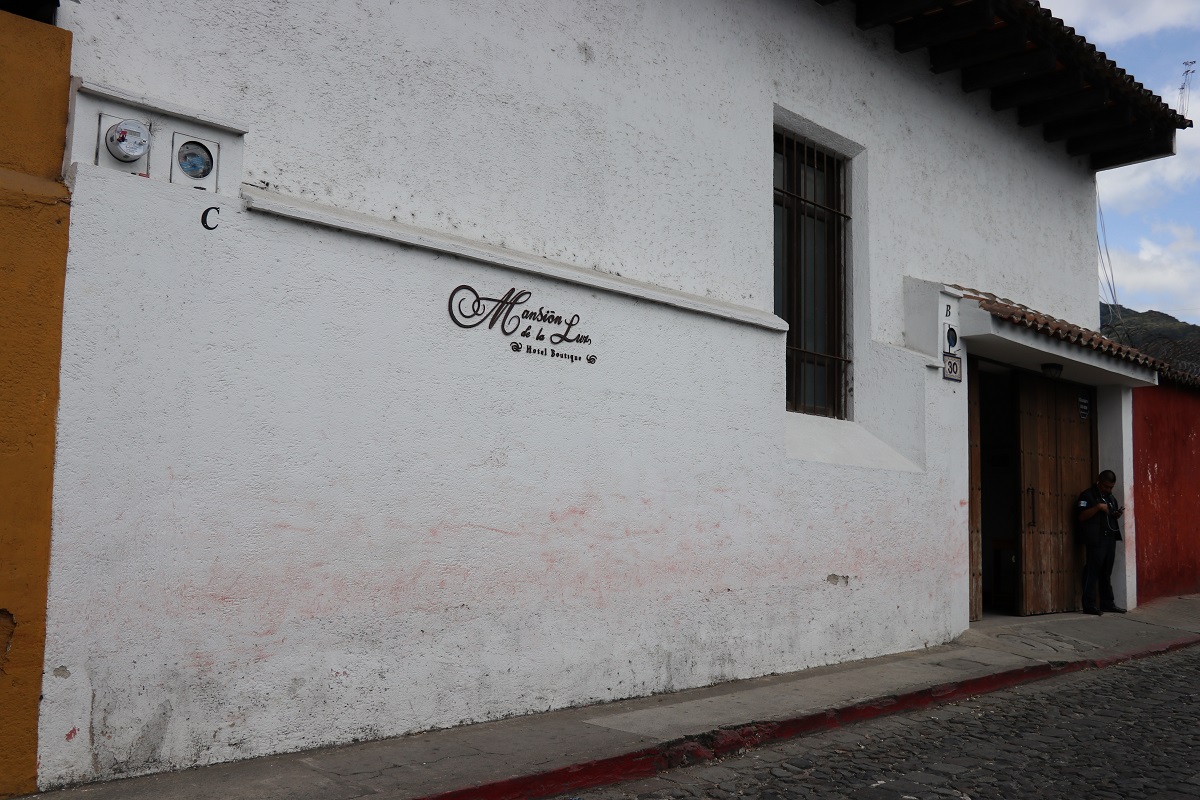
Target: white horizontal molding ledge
304, 211
154, 104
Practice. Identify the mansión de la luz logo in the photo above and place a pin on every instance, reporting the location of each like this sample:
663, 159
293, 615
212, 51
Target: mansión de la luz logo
544, 331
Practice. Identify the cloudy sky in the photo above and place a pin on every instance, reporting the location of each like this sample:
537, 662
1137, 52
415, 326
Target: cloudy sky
1152, 210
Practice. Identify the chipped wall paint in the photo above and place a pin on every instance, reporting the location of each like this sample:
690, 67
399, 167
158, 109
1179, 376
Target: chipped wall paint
297, 505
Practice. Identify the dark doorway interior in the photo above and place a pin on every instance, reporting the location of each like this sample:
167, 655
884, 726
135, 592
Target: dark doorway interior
1000, 489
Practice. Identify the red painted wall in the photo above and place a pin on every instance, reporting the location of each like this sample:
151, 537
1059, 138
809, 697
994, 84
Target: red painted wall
1166, 461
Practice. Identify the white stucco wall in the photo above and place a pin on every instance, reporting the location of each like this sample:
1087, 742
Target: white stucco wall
633, 137
296, 505
1115, 449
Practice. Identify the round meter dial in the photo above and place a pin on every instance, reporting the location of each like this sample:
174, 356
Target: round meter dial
195, 160
128, 140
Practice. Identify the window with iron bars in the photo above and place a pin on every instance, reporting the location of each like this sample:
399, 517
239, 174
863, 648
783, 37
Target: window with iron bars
811, 229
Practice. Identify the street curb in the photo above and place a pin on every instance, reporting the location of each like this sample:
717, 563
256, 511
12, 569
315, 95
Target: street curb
715, 744
1155, 650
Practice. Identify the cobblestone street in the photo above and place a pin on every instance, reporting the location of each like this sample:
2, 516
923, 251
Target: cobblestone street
1127, 731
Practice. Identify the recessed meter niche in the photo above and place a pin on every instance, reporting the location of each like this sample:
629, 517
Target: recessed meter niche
128, 140
195, 160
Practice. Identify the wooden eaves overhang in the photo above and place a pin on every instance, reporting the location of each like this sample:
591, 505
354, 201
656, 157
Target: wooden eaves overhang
1030, 61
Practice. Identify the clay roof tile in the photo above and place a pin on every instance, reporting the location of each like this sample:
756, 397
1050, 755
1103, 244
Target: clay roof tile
1022, 315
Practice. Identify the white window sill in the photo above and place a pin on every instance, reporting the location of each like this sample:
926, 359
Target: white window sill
833, 441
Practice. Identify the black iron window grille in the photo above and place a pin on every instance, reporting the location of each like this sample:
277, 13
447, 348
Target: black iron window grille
811, 229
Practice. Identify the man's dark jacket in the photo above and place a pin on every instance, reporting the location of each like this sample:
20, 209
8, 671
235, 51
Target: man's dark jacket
1092, 531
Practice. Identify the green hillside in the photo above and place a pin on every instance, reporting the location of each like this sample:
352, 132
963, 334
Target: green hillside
1154, 333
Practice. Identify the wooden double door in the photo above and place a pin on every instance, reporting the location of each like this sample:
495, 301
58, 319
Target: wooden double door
1033, 450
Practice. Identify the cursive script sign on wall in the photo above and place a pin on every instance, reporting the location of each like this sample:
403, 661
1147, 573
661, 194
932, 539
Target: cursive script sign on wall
542, 328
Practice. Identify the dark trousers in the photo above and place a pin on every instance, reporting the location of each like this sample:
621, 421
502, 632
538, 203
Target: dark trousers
1097, 573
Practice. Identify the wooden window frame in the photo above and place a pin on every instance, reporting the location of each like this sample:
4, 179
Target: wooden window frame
812, 222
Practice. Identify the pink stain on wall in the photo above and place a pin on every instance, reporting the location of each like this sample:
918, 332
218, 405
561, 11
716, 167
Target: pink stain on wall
201, 661
572, 511
493, 530
71, 734
285, 526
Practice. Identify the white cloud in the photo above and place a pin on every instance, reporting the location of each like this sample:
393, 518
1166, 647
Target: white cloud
1158, 270
1153, 184
1163, 275
1112, 21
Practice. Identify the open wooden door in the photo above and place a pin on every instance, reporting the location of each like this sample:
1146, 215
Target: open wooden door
1077, 468
1057, 446
975, 482
1039, 487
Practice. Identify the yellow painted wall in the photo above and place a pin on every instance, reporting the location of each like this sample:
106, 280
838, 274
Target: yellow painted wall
35, 62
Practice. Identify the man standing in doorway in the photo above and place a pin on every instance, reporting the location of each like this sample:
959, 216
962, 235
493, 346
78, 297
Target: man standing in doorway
1097, 514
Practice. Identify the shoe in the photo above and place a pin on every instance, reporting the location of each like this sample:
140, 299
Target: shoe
1115, 609
1095, 612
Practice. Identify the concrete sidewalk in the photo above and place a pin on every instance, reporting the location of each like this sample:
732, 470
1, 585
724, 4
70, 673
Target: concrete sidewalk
545, 754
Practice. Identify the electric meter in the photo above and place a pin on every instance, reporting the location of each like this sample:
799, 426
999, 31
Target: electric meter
128, 140
195, 160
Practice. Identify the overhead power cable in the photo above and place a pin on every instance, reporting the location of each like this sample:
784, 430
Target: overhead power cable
1189, 69
1108, 282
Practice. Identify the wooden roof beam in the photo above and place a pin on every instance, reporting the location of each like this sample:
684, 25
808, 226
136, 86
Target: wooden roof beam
873, 13
1109, 119
1134, 137
1009, 70
36, 10
1091, 99
1048, 87
953, 23
984, 46
1161, 145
